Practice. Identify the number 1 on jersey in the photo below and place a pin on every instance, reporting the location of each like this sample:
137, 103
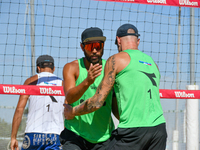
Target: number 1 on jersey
149, 91
48, 107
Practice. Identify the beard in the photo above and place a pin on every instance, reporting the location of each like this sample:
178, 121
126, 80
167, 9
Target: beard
93, 61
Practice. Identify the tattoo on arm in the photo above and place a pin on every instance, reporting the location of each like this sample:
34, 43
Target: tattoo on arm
88, 106
111, 74
98, 99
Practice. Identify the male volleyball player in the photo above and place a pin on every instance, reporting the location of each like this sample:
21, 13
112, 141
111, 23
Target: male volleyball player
45, 113
135, 78
81, 79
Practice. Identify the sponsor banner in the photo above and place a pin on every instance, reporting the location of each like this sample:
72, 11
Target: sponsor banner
31, 90
58, 91
179, 94
178, 3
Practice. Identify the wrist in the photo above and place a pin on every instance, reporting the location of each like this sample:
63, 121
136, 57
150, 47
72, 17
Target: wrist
87, 83
13, 136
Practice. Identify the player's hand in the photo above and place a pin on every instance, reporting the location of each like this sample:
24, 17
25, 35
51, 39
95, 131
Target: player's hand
93, 72
14, 144
68, 112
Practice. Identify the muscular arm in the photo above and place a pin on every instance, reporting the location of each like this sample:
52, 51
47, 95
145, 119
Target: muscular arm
102, 92
70, 75
19, 112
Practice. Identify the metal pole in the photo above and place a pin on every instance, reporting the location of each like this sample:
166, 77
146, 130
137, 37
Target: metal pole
176, 132
32, 37
178, 60
192, 109
192, 48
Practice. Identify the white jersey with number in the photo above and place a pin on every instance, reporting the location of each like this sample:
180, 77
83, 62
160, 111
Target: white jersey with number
45, 113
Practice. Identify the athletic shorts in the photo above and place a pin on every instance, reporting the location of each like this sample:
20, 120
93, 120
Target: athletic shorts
41, 141
72, 141
141, 138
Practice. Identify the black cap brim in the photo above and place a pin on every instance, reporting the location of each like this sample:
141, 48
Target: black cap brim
100, 38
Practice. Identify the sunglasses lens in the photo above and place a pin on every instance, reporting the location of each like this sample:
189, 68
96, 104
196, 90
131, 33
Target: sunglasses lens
88, 47
91, 46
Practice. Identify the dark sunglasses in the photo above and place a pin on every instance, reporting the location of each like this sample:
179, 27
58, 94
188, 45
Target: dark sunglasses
90, 46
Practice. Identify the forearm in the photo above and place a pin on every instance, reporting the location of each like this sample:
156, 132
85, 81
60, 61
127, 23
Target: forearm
93, 103
16, 122
76, 92
86, 107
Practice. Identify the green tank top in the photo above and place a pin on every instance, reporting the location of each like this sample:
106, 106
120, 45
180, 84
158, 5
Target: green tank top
137, 92
97, 126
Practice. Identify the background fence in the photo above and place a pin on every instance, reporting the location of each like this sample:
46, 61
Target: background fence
165, 36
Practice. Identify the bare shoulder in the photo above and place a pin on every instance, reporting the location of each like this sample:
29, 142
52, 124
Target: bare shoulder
119, 60
123, 56
71, 65
71, 68
32, 80
120, 56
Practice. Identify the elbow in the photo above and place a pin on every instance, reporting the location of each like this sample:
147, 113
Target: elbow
93, 107
98, 106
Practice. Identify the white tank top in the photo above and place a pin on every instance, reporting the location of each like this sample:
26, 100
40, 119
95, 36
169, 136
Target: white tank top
44, 114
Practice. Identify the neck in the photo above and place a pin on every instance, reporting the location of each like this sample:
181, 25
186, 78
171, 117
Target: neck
125, 47
87, 63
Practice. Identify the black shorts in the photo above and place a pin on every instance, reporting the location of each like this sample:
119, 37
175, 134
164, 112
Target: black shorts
72, 141
142, 138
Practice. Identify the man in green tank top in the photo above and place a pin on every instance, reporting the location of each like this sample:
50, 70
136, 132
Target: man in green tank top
81, 79
136, 79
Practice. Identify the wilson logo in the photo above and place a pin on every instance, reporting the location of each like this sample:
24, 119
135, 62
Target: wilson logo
188, 3
183, 94
49, 91
157, 1
7, 89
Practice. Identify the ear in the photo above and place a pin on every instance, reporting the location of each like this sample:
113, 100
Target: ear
38, 68
82, 47
53, 68
138, 41
118, 40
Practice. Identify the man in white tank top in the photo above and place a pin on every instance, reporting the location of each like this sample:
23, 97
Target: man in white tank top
45, 113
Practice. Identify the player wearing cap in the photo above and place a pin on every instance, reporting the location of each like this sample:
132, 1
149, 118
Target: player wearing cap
81, 79
45, 113
136, 79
